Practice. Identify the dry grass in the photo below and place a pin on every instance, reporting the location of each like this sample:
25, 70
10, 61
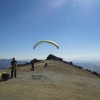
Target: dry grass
58, 81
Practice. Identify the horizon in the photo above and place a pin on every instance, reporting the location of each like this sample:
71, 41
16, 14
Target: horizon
73, 25
81, 59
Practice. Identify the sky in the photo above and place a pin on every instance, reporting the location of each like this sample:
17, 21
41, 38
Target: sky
73, 24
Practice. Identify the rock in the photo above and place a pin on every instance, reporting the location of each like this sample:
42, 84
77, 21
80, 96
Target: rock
52, 57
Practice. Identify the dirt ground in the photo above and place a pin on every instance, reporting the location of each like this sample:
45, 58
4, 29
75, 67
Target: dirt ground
58, 81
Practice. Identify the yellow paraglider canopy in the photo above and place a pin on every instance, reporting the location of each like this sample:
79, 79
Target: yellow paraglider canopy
47, 41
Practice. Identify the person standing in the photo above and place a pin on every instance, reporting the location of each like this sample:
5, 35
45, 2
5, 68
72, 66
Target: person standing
13, 68
32, 64
45, 65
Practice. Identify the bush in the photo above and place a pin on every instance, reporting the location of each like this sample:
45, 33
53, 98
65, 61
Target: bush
99, 75
65, 62
78, 66
27, 63
70, 63
88, 70
95, 73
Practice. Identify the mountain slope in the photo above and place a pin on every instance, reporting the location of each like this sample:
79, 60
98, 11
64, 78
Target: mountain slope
58, 81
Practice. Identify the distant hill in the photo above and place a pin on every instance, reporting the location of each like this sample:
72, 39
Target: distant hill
6, 63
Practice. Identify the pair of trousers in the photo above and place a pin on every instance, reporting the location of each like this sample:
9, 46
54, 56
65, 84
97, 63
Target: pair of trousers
32, 68
13, 72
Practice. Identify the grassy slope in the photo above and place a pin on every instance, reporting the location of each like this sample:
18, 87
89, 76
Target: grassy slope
60, 82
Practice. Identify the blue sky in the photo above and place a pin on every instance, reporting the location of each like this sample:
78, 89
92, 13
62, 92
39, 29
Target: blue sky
73, 24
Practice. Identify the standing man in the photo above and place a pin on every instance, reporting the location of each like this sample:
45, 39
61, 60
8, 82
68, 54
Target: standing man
45, 65
13, 69
32, 63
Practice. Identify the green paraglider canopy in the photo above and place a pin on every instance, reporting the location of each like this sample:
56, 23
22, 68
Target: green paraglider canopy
47, 41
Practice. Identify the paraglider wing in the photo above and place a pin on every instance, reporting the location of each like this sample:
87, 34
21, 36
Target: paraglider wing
47, 41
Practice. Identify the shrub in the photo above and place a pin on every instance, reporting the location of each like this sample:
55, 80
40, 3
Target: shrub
70, 63
65, 62
88, 70
95, 73
78, 66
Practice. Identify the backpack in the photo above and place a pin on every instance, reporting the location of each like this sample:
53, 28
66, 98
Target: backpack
14, 65
4, 76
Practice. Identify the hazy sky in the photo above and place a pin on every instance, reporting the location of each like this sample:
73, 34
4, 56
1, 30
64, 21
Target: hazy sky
73, 24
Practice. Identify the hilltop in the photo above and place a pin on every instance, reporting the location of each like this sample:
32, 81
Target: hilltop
58, 81
90, 66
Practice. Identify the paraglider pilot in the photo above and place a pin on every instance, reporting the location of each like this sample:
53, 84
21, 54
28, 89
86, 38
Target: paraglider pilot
32, 63
13, 68
45, 65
